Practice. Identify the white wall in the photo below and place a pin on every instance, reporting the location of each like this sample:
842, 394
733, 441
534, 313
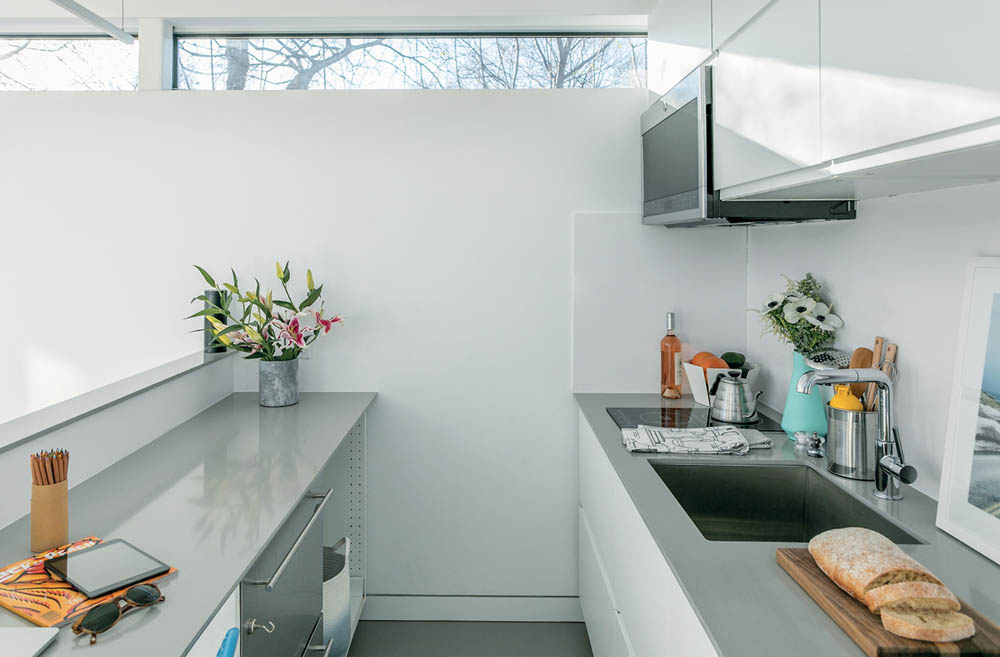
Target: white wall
441, 224
94, 290
627, 276
897, 271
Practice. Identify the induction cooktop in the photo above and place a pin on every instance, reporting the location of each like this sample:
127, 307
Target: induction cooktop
681, 418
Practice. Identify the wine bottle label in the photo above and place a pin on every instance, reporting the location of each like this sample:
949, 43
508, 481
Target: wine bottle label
678, 368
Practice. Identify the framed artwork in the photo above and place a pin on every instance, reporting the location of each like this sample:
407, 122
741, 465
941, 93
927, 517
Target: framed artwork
969, 504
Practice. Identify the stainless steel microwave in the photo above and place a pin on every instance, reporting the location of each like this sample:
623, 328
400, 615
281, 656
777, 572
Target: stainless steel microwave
677, 155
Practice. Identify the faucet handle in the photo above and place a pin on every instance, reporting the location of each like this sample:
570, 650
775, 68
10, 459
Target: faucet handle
895, 466
899, 445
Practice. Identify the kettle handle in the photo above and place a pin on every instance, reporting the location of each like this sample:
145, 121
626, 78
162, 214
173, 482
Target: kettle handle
715, 384
755, 398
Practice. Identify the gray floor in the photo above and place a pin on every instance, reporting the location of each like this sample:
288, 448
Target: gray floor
447, 639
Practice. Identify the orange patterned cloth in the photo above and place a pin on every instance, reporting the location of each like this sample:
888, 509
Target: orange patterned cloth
28, 590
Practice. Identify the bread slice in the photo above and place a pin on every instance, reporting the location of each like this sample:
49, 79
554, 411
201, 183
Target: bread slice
911, 596
939, 626
859, 560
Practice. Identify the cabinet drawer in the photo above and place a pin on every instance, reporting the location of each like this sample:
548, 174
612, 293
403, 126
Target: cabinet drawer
656, 615
607, 636
281, 598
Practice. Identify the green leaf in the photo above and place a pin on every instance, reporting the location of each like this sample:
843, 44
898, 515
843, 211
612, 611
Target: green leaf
311, 299
285, 304
205, 313
232, 328
200, 297
232, 288
236, 283
287, 275
256, 354
208, 278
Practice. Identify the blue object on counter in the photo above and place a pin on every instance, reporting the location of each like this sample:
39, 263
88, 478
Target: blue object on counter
228, 647
803, 412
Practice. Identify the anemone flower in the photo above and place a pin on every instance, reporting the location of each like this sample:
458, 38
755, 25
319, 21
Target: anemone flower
774, 301
823, 318
796, 310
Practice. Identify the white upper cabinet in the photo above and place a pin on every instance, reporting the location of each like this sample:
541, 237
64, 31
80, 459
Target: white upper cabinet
680, 39
894, 70
767, 96
730, 15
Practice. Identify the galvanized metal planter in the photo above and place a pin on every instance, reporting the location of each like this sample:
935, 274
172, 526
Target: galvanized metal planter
278, 382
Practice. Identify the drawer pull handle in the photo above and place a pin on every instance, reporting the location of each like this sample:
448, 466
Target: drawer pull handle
317, 514
253, 626
326, 649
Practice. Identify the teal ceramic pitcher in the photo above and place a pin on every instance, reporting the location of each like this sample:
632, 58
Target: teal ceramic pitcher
803, 412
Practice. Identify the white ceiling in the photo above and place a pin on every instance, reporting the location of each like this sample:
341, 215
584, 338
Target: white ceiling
327, 15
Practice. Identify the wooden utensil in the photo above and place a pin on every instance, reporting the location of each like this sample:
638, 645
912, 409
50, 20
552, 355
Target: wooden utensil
865, 628
860, 359
871, 395
888, 362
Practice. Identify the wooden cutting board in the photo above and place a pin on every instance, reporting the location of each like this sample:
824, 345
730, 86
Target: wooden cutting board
865, 628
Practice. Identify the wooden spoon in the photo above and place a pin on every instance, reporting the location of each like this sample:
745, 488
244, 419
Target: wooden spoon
860, 359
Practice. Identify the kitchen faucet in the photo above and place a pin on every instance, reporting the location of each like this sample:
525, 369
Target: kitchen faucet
890, 468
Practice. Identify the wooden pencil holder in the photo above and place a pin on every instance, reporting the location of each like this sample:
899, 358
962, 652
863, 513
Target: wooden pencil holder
49, 516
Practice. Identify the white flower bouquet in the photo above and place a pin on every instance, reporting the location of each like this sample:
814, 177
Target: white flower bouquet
801, 317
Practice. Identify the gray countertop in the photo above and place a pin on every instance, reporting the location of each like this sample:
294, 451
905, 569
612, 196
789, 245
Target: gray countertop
749, 606
205, 497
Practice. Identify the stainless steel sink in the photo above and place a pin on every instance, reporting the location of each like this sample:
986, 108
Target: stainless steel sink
782, 503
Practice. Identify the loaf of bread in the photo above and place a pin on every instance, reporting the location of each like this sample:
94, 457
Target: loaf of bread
939, 626
911, 596
859, 560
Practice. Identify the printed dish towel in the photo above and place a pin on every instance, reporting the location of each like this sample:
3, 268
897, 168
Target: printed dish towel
708, 440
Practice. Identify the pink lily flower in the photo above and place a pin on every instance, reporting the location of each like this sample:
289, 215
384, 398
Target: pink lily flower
293, 333
327, 324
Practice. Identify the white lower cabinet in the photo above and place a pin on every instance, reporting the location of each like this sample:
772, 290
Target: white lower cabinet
656, 617
604, 626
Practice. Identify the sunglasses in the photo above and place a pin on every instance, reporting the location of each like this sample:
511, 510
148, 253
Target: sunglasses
104, 616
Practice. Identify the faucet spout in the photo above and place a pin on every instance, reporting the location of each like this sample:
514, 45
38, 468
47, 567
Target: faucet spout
809, 380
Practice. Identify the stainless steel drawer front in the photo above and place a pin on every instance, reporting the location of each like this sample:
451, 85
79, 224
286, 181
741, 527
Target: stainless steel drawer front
282, 594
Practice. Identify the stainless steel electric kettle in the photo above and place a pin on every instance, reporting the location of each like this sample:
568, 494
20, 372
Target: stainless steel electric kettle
734, 402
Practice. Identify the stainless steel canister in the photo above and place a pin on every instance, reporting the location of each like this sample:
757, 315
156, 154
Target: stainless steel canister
850, 443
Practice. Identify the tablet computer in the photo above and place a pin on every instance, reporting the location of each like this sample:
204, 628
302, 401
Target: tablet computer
106, 567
